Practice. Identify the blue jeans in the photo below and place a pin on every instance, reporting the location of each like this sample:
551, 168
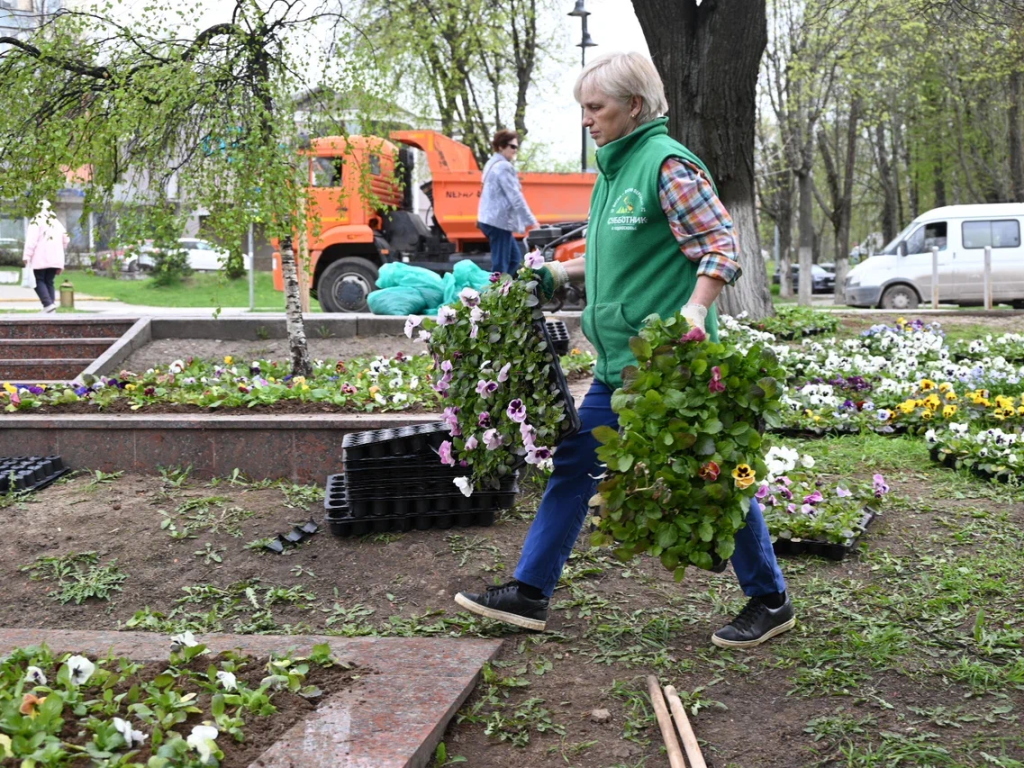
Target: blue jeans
564, 508
505, 253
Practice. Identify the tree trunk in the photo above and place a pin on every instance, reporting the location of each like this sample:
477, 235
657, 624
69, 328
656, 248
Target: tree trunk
1016, 84
709, 56
940, 183
805, 242
785, 258
888, 192
301, 364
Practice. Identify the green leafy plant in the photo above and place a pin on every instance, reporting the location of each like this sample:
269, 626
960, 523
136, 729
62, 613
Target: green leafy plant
79, 576
683, 464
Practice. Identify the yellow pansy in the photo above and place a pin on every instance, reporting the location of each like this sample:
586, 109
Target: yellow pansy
926, 415
129, 387
908, 406
951, 397
743, 476
10, 387
228, 359
374, 390
926, 384
945, 387
932, 402
299, 379
949, 411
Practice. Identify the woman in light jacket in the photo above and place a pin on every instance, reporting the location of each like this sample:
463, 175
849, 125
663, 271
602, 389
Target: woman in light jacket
45, 241
503, 209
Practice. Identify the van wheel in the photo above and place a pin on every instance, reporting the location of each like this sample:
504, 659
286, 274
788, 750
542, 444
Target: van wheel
900, 297
345, 284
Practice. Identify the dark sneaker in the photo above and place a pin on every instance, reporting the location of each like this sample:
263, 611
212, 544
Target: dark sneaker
755, 624
505, 603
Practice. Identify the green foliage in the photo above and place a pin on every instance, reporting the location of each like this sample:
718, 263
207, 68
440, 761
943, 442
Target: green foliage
682, 466
79, 576
170, 267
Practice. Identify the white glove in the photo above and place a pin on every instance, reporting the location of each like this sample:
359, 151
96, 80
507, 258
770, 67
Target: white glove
695, 315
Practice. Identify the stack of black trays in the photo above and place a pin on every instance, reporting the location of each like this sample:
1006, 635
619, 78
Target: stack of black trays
394, 481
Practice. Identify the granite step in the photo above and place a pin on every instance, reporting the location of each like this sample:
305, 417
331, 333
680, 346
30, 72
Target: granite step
31, 370
53, 349
60, 328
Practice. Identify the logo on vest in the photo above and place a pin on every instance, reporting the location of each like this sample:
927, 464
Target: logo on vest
627, 212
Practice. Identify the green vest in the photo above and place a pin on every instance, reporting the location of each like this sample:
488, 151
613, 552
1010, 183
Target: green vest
634, 265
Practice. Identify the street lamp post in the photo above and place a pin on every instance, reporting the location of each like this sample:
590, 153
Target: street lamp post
586, 41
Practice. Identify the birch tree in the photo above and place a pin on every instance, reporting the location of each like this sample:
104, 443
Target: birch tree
167, 118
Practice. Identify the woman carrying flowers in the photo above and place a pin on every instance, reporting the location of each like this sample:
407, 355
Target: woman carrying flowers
653, 199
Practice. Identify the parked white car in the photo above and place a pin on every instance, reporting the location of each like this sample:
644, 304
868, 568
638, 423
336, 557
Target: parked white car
900, 276
202, 256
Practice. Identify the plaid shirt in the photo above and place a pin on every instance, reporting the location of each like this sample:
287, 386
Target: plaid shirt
699, 221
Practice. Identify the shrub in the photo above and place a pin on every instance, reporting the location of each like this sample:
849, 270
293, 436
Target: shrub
170, 266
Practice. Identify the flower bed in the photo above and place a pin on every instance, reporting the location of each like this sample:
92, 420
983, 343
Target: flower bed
362, 384
990, 453
195, 710
807, 515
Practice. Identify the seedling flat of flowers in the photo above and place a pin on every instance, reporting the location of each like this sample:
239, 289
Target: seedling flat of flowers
826, 549
29, 473
572, 423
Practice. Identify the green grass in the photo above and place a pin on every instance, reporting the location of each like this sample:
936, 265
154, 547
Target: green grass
199, 290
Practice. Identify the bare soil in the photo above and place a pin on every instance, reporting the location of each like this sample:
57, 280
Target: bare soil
404, 584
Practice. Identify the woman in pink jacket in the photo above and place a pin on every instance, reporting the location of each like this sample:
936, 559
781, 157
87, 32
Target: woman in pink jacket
45, 242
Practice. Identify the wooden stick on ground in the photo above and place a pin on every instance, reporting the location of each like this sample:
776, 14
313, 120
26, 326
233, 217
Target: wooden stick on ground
693, 753
668, 734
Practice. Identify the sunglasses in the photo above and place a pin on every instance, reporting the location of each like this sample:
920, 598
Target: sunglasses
513, 146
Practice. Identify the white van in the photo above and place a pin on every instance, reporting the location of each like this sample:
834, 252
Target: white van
900, 276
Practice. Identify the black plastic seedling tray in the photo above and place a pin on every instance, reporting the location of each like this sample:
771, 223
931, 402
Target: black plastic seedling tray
400, 488
826, 549
29, 473
337, 499
380, 443
558, 333
572, 423
350, 526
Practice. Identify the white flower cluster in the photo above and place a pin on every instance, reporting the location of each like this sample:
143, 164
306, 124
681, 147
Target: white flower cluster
781, 460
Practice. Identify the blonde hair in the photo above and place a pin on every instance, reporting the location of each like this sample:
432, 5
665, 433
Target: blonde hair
623, 76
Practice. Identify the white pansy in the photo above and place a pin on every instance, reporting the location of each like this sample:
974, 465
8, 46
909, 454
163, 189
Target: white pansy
807, 461
227, 681
465, 485
203, 740
35, 676
183, 640
81, 669
132, 738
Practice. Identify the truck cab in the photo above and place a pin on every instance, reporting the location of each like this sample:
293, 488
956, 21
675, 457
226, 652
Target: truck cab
360, 214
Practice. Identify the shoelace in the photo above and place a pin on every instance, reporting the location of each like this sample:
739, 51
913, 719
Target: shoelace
503, 587
748, 616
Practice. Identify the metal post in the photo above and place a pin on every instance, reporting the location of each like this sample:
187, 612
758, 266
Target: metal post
583, 128
252, 272
935, 277
988, 277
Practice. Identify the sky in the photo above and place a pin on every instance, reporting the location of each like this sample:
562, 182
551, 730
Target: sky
553, 113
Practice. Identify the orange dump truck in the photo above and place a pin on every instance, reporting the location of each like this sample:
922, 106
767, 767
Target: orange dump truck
361, 213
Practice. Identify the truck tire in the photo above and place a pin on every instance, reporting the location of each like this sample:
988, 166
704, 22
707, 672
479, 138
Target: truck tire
345, 284
900, 297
